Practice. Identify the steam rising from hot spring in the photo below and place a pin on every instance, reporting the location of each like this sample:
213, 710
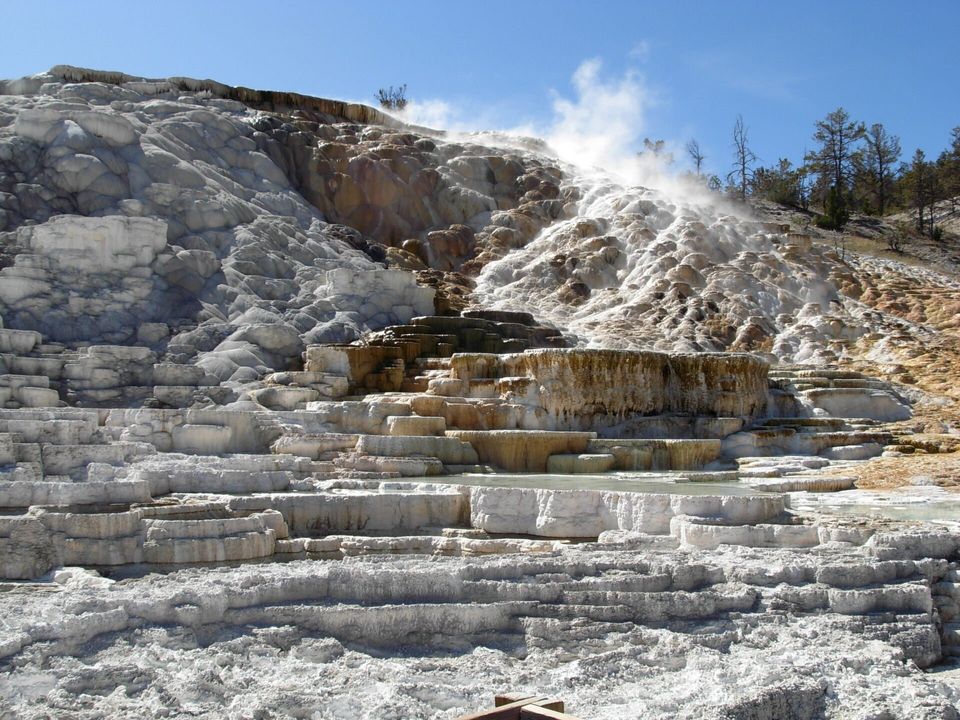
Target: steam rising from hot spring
599, 130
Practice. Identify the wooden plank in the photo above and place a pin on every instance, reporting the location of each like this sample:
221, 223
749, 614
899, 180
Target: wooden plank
533, 712
507, 698
510, 711
550, 703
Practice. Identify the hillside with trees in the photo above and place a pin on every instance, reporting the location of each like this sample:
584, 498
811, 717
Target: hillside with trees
854, 170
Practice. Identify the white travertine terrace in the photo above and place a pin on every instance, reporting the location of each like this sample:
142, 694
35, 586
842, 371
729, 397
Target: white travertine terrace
260, 458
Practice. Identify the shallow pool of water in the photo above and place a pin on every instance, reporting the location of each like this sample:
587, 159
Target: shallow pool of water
930, 504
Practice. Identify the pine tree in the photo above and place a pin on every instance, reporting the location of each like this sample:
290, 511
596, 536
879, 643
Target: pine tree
917, 182
948, 169
835, 160
835, 210
881, 153
779, 184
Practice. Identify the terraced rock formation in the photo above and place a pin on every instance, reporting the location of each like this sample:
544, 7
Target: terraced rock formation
308, 412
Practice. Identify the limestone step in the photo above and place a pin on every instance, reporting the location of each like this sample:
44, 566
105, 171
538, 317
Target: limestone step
951, 634
502, 316
589, 513
177, 396
231, 548
466, 413
285, 397
67, 459
439, 364
784, 403
448, 387
57, 432
656, 607
483, 388
448, 449
90, 417
782, 464
383, 510
418, 384
861, 451
22, 471
177, 374
803, 483
827, 374
19, 342
670, 454
660, 427
787, 441
48, 367
172, 479
21, 494
381, 465
314, 445
27, 391
359, 545
522, 450
857, 403
329, 384
415, 425
803, 424
708, 535
8, 453
201, 439
28, 453
579, 464
125, 396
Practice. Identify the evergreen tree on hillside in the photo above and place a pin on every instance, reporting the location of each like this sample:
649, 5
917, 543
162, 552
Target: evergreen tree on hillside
880, 154
948, 170
918, 189
781, 183
834, 162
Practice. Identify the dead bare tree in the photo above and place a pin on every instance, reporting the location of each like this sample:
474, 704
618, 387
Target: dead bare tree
693, 150
743, 159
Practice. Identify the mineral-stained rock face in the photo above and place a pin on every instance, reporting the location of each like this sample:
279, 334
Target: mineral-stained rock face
605, 387
523, 450
640, 268
216, 212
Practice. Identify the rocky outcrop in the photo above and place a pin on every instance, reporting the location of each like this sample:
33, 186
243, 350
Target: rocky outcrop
588, 513
684, 271
209, 212
597, 388
385, 360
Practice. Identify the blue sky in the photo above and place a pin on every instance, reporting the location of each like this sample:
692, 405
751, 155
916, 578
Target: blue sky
672, 70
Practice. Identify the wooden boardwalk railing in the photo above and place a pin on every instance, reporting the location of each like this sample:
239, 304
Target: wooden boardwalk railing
519, 706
